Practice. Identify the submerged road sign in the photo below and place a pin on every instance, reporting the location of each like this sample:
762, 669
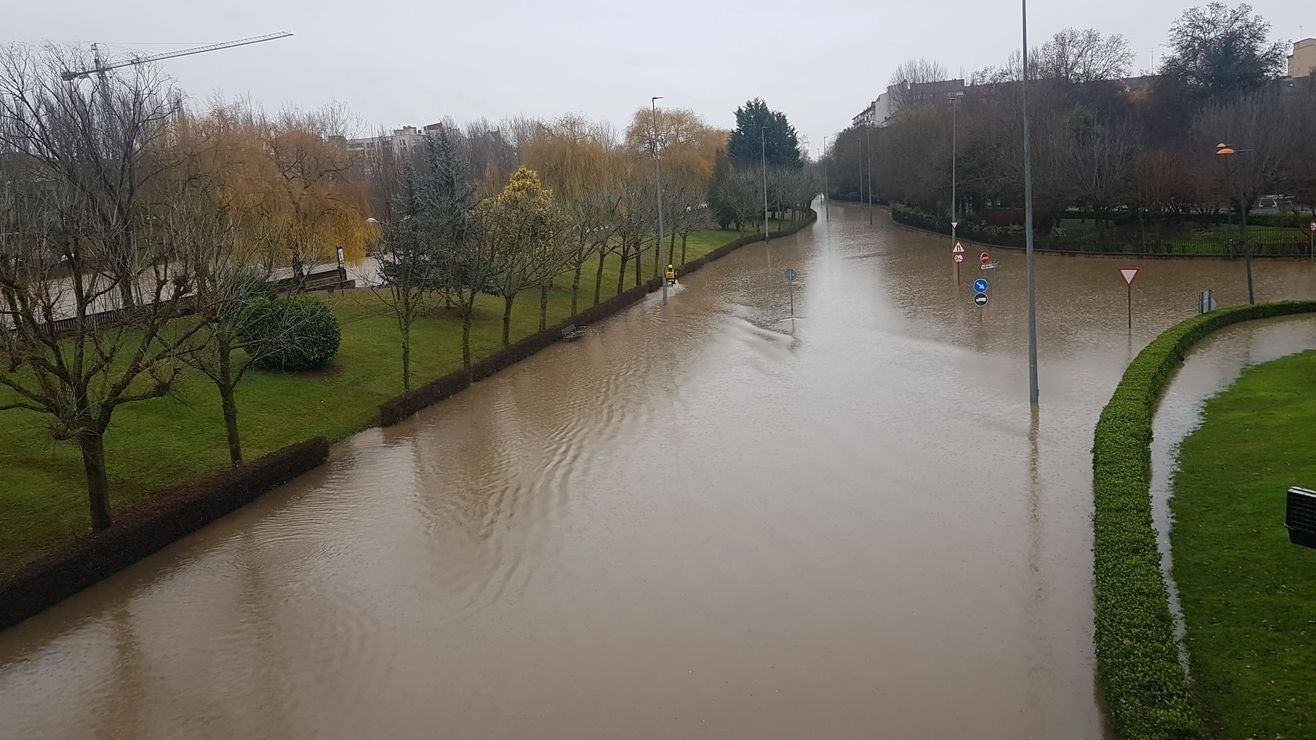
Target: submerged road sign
980, 286
980, 299
790, 274
1129, 273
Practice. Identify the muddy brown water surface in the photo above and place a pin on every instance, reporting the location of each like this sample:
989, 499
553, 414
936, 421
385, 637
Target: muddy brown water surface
702, 520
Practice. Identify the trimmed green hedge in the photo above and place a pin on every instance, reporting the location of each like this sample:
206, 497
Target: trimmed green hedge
1146, 688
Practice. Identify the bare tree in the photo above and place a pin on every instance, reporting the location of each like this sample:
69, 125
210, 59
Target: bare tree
406, 260
105, 137
909, 82
1083, 56
1100, 160
228, 268
592, 222
69, 246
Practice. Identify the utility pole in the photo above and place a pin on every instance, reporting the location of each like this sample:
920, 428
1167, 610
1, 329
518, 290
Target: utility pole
658, 178
763, 144
827, 206
868, 135
1028, 226
954, 151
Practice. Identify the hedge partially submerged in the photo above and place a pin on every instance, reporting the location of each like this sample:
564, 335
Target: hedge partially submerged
1146, 688
147, 528
399, 408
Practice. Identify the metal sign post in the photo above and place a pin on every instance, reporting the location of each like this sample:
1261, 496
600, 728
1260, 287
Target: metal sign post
790, 283
1129, 273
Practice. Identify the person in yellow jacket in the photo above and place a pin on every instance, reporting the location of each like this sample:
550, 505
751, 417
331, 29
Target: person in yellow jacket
671, 275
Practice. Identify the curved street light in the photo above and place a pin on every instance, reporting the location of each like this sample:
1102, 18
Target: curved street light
1224, 150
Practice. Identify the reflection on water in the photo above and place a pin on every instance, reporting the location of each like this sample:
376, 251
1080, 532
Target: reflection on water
703, 520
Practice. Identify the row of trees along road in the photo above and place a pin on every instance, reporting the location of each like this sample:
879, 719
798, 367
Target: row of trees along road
579, 196
1137, 150
140, 240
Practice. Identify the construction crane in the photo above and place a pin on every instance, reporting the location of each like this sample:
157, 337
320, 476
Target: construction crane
101, 68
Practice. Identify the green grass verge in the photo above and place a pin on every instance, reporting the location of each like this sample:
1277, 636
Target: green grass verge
156, 445
1194, 239
1145, 687
1249, 596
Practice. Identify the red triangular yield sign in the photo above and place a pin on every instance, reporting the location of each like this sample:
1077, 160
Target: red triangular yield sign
1129, 273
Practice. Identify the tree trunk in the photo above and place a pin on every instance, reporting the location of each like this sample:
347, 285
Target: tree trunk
92, 444
671, 248
406, 356
575, 286
507, 319
543, 306
467, 317
684, 237
598, 278
126, 292
621, 276
228, 400
639, 254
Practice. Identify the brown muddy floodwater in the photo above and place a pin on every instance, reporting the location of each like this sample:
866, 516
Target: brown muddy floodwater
700, 521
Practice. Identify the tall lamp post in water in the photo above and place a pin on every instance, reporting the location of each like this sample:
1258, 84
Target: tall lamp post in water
658, 177
763, 146
1225, 151
827, 206
1028, 225
954, 154
868, 155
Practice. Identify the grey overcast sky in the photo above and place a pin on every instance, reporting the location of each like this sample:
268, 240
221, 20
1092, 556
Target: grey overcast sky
405, 62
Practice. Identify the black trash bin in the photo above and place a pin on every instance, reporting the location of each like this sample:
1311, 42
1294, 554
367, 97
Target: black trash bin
1300, 517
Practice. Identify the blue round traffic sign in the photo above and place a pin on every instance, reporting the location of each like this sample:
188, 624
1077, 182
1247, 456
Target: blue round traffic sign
980, 286
980, 299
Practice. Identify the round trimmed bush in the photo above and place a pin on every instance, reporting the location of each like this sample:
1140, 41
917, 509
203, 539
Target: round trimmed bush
290, 334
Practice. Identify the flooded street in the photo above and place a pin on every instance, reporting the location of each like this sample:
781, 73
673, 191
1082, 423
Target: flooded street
703, 520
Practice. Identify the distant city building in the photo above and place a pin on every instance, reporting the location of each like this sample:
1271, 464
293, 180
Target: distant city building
1302, 62
394, 147
880, 111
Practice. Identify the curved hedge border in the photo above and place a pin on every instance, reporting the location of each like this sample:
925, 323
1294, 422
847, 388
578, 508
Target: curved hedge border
1146, 688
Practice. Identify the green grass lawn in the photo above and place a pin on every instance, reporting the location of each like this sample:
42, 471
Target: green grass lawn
1249, 597
1180, 239
156, 445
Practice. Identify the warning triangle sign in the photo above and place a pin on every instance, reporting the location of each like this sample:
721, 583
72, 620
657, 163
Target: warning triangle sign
959, 248
1129, 273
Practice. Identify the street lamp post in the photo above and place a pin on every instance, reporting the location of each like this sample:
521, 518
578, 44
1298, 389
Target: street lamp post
954, 153
868, 136
658, 177
1028, 225
827, 206
1226, 151
763, 147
